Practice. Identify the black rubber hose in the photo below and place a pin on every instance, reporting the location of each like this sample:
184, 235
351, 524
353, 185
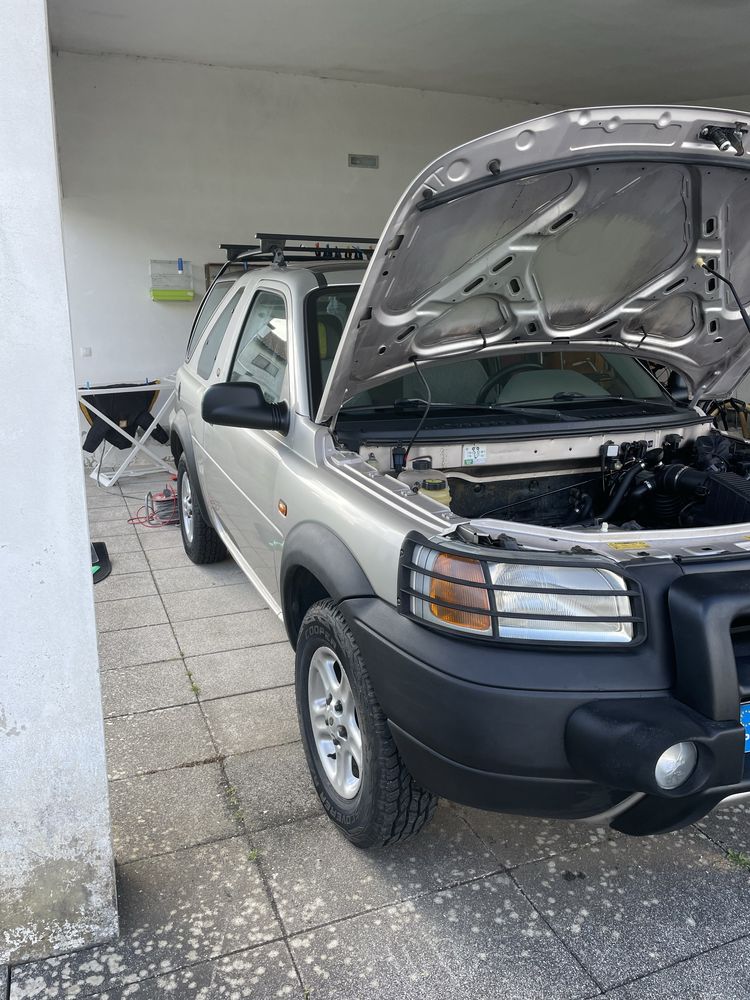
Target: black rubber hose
677, 478
583, 514
622, 488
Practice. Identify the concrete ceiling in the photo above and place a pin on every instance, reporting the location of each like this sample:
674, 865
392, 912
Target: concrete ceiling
559, 52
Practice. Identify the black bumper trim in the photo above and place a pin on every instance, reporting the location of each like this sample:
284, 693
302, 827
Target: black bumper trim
654, 814
618, 742
702, 607
508, 793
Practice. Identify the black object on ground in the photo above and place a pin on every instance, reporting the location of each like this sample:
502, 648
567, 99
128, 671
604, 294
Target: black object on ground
101, 567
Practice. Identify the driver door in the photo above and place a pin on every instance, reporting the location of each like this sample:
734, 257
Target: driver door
243, 464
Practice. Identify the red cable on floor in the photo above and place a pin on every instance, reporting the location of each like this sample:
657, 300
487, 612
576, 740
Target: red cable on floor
160, 509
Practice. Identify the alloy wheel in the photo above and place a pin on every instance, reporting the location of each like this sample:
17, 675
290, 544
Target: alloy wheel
335, 726
186, 506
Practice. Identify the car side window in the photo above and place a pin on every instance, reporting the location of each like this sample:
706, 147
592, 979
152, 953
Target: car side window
208, 308
261, 354
216, 334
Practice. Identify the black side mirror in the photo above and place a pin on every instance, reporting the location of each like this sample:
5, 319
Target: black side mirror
242, 404
678, 388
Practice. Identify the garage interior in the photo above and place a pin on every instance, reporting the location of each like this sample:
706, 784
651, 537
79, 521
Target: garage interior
172, 128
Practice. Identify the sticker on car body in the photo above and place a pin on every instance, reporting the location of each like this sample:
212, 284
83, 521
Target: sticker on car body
474, 454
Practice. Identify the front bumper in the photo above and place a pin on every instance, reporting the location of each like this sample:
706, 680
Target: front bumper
551, 732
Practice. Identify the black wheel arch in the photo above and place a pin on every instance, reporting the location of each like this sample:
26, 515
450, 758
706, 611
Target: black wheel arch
316, 565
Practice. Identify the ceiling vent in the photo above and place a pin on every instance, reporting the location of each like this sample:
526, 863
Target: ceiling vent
369, 160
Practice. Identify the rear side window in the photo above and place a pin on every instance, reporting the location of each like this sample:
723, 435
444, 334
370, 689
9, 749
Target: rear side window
215, 336
208, 308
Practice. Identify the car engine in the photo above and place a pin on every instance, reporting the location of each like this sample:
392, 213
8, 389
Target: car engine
682, 484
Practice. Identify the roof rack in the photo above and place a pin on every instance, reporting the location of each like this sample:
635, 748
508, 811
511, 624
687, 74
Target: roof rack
274, 246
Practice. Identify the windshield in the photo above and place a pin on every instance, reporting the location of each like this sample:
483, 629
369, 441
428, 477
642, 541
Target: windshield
548, 379
516, 379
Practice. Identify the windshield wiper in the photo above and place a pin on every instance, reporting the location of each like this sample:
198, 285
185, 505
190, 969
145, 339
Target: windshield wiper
529, 411
579, 397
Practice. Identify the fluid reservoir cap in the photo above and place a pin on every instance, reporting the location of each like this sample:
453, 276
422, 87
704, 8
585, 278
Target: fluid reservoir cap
433, 484
421, 463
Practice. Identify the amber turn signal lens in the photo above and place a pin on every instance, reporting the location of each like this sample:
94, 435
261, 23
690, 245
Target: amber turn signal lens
452, 592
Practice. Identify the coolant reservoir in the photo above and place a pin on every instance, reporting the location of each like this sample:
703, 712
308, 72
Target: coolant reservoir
422, 478
435, 486
413, 478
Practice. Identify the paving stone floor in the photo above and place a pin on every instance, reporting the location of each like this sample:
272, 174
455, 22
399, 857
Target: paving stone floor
232, 884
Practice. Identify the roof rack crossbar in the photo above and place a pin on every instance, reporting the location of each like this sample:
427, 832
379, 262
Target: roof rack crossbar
235, 251
272, 244
272, 241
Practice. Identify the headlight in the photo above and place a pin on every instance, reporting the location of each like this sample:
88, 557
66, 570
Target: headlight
518, 600
456, 591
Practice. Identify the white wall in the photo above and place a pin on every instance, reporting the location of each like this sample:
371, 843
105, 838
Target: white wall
56, 868
165, 159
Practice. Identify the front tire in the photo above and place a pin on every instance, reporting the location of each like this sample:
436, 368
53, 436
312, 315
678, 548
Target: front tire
356, 768
201, 542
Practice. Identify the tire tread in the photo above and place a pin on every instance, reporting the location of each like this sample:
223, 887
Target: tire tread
206, 546
403, 807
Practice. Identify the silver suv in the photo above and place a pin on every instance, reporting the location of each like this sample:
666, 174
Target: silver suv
471, 473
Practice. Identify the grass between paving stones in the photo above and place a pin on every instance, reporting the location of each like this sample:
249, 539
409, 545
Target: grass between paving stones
740, 859
195, 688
234, 804
239, 815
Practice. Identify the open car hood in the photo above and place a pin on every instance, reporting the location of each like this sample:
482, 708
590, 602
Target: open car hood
580, 228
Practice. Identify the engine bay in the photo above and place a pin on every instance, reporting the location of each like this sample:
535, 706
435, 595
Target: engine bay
665, 480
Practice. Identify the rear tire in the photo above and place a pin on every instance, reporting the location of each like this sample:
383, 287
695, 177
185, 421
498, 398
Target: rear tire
201, 542
361, 781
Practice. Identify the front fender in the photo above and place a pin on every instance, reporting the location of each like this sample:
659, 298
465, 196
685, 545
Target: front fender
317, 549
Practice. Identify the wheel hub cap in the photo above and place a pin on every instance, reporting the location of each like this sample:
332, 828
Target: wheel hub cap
335, 725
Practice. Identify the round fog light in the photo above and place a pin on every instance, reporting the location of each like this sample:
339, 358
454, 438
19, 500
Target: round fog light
675, 765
